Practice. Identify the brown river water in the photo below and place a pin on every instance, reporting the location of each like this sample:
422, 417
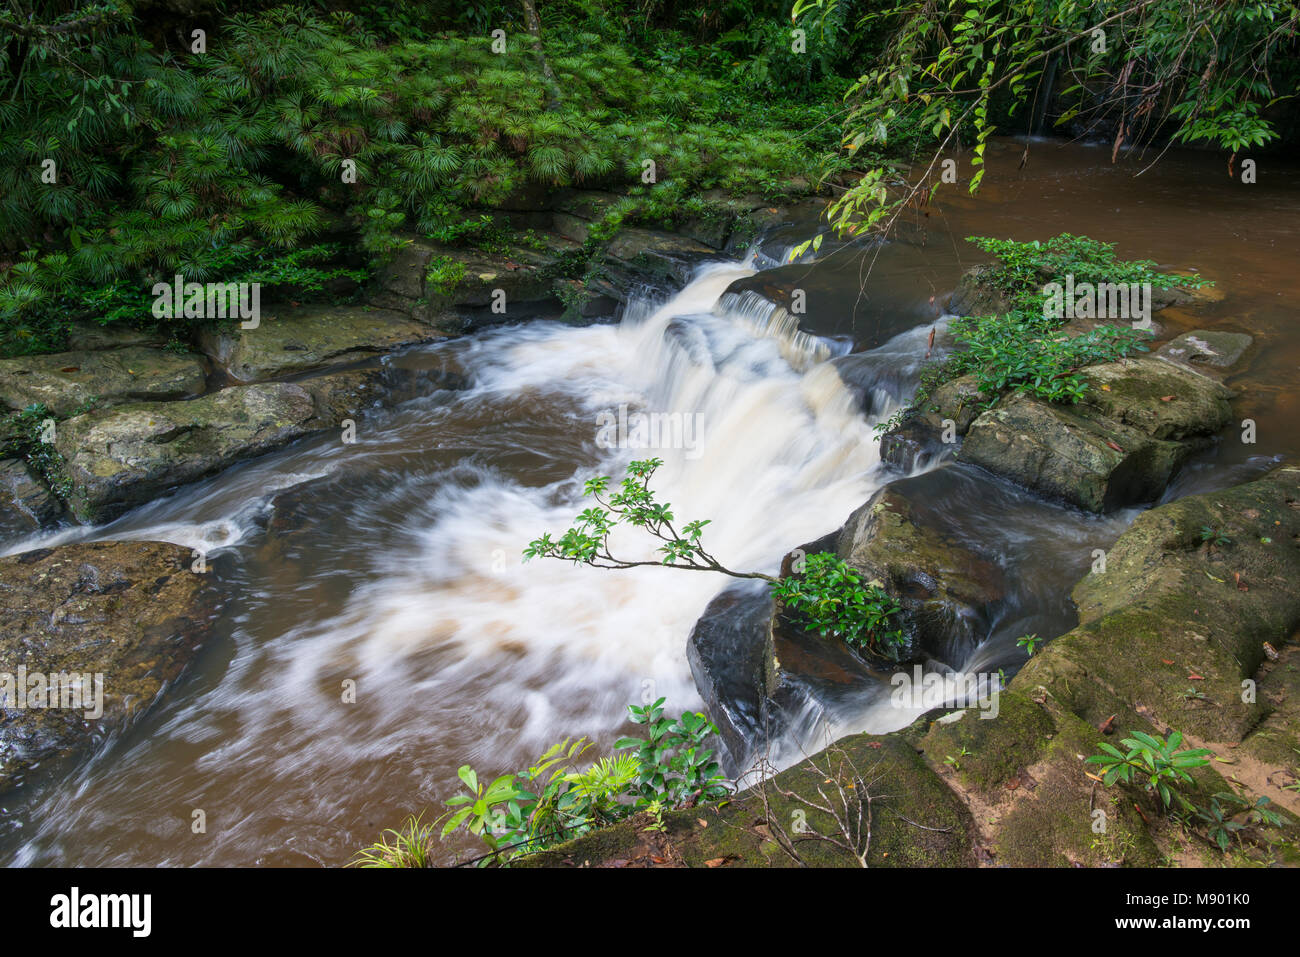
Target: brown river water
394, 562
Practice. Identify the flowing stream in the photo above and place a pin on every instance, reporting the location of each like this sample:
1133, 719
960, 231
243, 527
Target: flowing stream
395, 563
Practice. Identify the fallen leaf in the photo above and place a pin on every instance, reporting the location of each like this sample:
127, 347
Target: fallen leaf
1089, 774
1270, 651
1165, 661
1108, 726
1195, 677
1166, 398
659, 860
1236, 576
71, 369
876, 745
1114, 446
703, 823
715, 862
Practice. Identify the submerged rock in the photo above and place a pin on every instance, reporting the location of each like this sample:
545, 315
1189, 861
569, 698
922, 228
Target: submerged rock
1120, 445
132, 613
67, 381
294, 341
1207, 348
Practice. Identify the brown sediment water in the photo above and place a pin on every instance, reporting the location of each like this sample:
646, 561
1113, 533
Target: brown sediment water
394, 562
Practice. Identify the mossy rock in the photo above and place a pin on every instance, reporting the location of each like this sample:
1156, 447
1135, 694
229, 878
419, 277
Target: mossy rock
916, 819
67, 381
1171, 614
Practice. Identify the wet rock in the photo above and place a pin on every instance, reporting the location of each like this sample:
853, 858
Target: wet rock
25, 503
1173, 625
1207, 348
946, 590
123, 456
291, 341
976, 296
932, 431
649, 256
67, 381
1120, 445
430, 281
92, 336
730, 651
131, 612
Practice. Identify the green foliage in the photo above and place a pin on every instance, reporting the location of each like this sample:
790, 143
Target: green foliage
26, 434
200, 164
551, 802
409, 848
675, 769
445, 274
1212, 536
1024, 268
1157, 763
1028, 642
1220, 817
829, 597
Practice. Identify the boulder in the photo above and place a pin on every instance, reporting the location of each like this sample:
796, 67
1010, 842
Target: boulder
1120, 445
1173, 623
946, 590
636, 256
120, 457
924, 436
429, 280
93, 336
916, 819
122, 617
730, 651
293, 341
66, 381
976, 296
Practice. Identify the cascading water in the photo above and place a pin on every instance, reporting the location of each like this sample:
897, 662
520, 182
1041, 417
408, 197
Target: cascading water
412, 586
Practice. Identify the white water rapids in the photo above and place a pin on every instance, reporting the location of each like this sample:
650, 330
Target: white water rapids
416, 591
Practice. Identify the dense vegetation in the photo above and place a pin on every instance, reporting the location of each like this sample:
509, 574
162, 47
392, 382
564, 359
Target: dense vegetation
129, 158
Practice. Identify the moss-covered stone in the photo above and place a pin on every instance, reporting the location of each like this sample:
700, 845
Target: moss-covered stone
293, 341
1173, 625
916, 820
1138, 422
67, 381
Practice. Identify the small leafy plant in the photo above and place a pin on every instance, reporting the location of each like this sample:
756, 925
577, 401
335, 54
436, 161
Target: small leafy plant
1029, 642
832, 599
1158, 763
552, 802
1213, 537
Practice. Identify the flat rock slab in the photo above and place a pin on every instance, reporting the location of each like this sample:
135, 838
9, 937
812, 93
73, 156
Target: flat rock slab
67, 381
133, 613
123, 456
292, 341
1120, 445
1207, 348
